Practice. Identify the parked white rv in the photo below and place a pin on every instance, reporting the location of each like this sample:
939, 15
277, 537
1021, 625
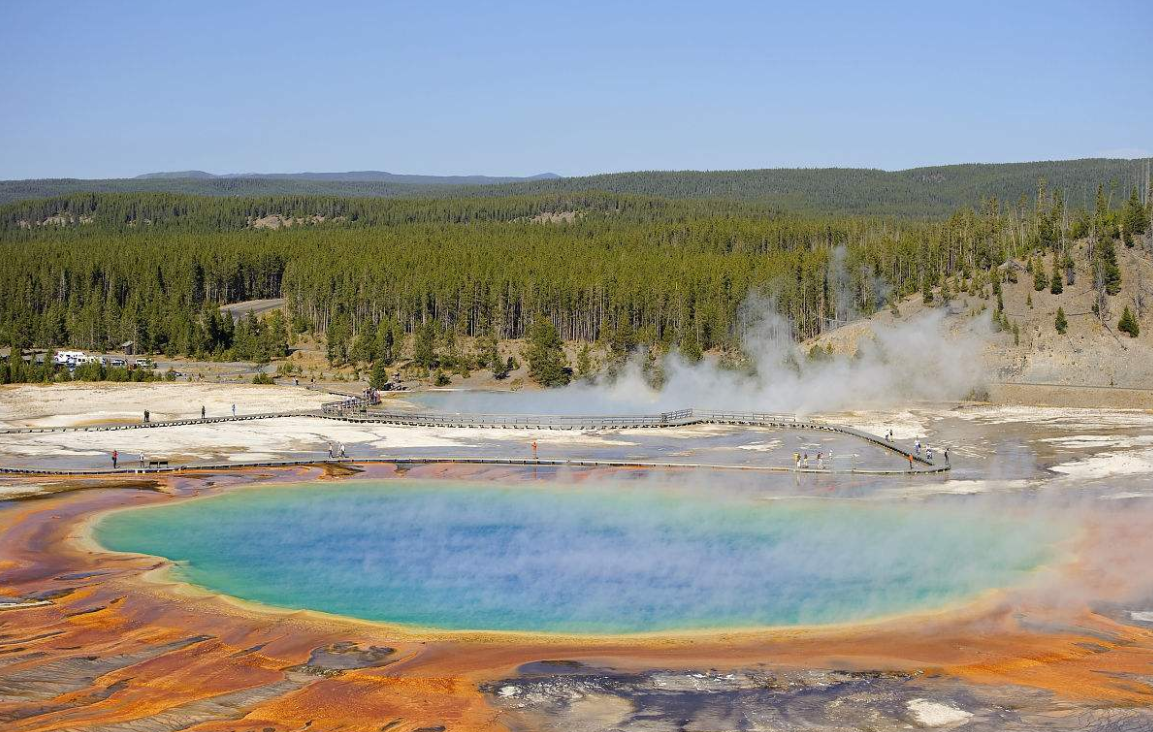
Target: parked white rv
69, 357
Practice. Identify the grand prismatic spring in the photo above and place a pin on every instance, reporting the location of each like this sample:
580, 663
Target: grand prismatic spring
621, 558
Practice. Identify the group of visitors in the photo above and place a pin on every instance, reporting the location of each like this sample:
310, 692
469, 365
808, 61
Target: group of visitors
928, 451
801, 460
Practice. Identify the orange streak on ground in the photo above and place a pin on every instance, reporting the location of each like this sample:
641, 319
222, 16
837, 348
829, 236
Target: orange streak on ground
433, 681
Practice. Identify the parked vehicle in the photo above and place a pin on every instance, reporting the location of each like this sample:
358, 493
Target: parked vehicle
118, 363
144, 363
68, 357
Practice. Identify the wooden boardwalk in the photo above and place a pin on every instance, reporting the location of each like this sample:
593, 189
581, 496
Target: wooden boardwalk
450, 460
358, 410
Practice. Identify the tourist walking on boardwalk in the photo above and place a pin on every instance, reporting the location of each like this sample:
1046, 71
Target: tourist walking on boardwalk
233, 410
330, 451
534, 457
946, 457
797, 459
910, 461
202, 412
146, 416
929, 453
115, 457
343, 454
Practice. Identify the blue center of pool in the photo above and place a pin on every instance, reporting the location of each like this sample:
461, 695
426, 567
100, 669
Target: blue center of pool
559, 558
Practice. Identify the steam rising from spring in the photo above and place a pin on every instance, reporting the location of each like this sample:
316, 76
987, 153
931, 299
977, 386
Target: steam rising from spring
929, 356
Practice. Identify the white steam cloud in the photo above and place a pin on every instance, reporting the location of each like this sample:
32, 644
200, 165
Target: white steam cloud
929, 356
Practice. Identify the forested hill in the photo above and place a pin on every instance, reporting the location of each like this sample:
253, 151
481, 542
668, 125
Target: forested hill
919, 192
935, 191
96, 270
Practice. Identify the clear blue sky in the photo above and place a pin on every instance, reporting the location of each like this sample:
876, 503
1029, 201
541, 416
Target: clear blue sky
116, 88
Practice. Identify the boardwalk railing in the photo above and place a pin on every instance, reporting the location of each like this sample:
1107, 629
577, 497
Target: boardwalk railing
156, 424
751, 418
344, 406
523, 421
356, 409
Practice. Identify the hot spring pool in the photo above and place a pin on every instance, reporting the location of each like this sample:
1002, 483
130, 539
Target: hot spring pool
559, 558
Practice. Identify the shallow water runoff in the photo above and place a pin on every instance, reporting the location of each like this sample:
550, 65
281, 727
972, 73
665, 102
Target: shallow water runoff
610, 558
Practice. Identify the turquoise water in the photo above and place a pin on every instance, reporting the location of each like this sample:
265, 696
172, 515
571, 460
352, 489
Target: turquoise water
610, 559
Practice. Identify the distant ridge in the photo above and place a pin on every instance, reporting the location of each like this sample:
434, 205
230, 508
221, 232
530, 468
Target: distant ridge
354, 176
918, 192
195, 174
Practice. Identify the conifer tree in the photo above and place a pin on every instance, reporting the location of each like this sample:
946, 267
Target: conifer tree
387, 346
1108, 263
1135, 218
1061, 323
585, 362
338, 334
379, 376
690, 346
546, 359
276, 335
490, 355
1039, 281
1128, 324
364, 347
424, 349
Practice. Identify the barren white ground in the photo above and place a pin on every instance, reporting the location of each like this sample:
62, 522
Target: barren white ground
1080, 446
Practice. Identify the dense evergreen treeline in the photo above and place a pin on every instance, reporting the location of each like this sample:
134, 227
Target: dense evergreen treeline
16, 370
198, 213
919, 192
630, 270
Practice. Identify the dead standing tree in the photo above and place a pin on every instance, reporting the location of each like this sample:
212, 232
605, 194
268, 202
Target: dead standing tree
1098, 264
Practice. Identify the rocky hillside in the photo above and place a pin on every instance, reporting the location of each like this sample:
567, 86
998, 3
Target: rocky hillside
1026, 347
1092, 351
